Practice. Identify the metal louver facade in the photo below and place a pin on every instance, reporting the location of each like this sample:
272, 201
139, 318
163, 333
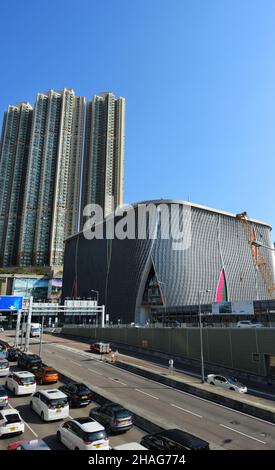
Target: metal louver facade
119, 269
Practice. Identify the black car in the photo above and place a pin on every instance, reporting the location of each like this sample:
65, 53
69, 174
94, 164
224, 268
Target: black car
79, 394
113, 417
29, 362
13, 354
174, 440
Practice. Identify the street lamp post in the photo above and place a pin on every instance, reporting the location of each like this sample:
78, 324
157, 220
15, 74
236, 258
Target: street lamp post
201, 339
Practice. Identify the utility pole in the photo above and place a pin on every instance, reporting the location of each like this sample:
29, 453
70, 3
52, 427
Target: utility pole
28, 326
16, 344
41, 336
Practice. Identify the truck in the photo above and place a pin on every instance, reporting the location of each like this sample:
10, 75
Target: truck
34, 331
100, 348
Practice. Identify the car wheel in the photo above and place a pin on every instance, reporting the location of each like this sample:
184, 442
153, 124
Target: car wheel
231, 388
58, 436
212, 383
14, 391
42, 415
77, 448
31, 405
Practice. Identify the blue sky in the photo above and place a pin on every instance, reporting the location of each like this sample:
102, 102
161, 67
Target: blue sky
198, 77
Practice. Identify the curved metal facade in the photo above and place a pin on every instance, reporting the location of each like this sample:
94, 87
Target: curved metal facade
119, 269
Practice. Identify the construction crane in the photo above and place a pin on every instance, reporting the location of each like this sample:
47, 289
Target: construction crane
258, 257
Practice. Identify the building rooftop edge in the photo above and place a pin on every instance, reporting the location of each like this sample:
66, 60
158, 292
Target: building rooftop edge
180, 201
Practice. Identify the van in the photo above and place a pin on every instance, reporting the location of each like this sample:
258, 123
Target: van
21, 383
100, 348
50, 405
174, 440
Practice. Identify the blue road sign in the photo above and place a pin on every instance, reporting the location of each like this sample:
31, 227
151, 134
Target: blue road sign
11, 302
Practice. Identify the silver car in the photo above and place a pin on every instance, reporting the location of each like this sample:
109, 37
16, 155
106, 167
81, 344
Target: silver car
231, 383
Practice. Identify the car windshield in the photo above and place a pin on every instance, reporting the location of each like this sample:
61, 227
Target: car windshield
59, 401
27, 380
34, 360
82, 390
95, 436
50, 372
4, 364
13, 418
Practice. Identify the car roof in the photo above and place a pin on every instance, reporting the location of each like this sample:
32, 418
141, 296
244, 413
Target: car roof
79, 384
53, 393
130, 446
89, 424
115, 406
35, 444
181, 436
10, 411
32, 356
23, 373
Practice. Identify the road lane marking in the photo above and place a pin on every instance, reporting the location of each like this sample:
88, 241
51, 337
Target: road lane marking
152, 396
36, 435
186, 411
232, 410
95, 371
199, 398
243, 434
116, 380
74, 362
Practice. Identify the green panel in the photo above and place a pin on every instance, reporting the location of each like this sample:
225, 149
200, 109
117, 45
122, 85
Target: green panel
243, 345
228, 347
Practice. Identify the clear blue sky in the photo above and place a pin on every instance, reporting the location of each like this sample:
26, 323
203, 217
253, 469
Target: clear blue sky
198, 77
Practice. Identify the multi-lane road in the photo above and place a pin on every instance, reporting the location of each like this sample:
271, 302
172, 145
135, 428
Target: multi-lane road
222, 427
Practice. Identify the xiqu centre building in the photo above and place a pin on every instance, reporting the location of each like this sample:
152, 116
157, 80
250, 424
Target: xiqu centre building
164, 253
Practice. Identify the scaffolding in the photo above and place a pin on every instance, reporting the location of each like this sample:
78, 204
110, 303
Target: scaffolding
257, 254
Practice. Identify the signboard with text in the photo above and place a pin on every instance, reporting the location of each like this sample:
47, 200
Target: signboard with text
10, 302
233, 308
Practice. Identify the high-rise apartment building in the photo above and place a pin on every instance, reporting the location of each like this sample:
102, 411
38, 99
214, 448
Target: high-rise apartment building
13, 164
103, 181
55, 159
53, 156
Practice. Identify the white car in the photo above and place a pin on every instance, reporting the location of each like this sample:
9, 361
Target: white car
1, 329
227, 382
21, 382
50, 405
4, 367
249, 324
11, 422
83, 434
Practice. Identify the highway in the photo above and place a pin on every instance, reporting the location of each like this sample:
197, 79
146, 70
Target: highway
35, 428
222, 427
